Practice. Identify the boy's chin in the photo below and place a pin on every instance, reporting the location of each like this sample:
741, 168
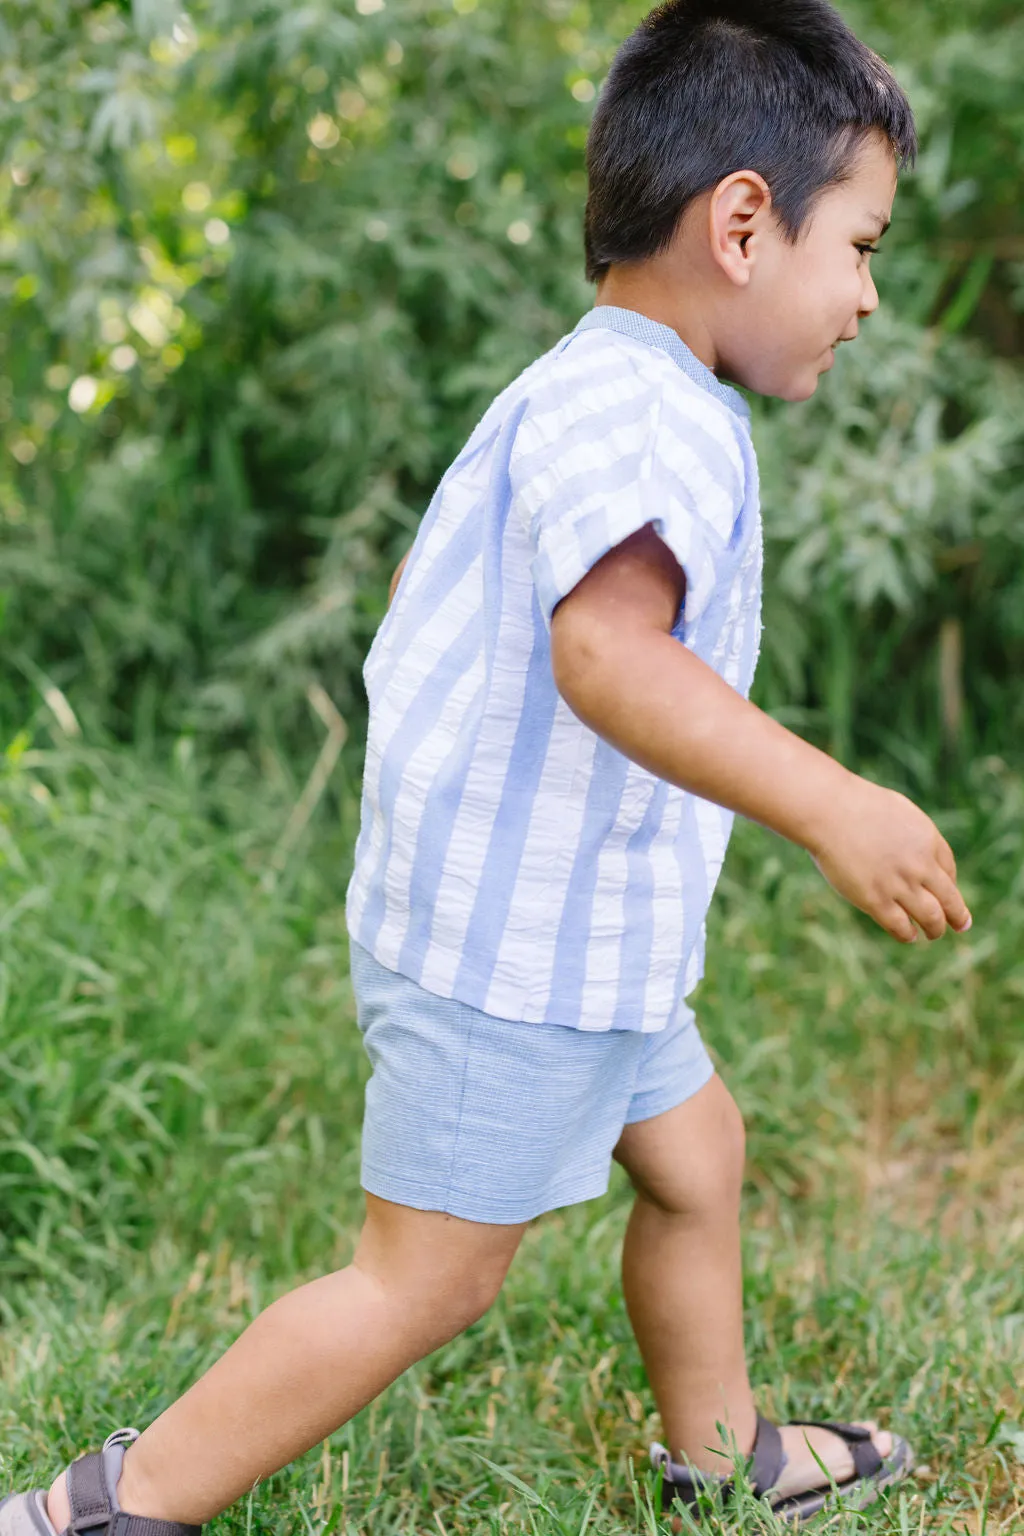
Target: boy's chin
796, 385
803, 390
800, 385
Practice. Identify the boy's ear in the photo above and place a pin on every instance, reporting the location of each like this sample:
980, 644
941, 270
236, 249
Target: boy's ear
739, 211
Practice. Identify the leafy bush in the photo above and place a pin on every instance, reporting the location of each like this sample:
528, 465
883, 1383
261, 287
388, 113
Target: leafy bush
893, 609
261, 268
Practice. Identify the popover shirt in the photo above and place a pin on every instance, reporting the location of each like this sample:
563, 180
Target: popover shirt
508, 856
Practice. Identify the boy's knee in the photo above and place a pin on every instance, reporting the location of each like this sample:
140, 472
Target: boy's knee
732, 1149
439, 1274
697, 1171
441, 1304
715, 1180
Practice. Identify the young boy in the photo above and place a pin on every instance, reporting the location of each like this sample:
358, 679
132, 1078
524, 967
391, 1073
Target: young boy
559, 737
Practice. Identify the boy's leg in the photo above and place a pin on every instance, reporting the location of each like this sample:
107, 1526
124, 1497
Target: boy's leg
312, 1360
683, 1286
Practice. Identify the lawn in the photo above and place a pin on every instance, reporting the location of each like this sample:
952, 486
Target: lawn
180, 1082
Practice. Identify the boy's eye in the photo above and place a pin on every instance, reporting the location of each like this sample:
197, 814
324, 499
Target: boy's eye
866, 248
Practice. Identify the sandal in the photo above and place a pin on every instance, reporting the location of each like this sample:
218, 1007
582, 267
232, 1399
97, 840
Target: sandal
92, 1493
872, 1472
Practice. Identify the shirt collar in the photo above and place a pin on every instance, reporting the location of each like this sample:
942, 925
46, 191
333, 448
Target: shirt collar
630, 322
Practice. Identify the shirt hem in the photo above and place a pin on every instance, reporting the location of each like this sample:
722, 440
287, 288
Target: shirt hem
507, 1003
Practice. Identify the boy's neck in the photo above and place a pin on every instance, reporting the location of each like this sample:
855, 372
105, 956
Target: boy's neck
643, 287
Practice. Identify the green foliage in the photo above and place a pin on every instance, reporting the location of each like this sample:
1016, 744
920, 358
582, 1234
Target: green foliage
262, 267
316, 297
160, 1011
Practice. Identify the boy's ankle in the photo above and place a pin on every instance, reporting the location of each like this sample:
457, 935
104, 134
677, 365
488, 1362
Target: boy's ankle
713, 1451
134, 1493
129, 1496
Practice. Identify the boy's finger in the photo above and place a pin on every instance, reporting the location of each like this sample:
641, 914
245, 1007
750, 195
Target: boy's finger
952, 903
946, 860
927, 912
898, 924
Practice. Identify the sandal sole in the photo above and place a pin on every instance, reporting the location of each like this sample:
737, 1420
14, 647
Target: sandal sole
24, 1514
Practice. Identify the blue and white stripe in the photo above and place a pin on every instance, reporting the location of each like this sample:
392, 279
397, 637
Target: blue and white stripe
507, 856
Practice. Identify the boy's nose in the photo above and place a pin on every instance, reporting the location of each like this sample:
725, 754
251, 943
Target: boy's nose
869, 296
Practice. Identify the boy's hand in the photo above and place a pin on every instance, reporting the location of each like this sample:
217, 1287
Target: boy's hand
889, 859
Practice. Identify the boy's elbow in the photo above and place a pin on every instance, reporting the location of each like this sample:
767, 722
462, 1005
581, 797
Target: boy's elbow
579, 658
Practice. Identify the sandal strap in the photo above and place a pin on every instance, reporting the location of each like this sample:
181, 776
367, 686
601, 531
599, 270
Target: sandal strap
87, 1493
866, 1460
141, 1525
92, 1510
768, 1457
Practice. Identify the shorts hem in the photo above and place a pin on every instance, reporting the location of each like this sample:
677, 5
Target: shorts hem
471, 1206
648, 1106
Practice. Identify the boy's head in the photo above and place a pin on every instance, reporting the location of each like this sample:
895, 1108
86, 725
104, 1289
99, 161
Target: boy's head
748, 149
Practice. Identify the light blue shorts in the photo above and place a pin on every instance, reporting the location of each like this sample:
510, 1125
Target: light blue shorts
498, 1121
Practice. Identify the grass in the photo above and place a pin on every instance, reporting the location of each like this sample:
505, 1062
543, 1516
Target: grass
180, 1085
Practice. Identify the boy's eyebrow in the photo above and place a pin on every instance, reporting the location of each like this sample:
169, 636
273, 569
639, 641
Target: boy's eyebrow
882, 222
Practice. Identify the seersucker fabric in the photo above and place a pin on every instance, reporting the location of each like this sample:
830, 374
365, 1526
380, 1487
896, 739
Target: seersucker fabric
508, 857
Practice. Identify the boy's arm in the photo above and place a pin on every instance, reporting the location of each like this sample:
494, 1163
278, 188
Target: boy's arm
620, 670
396, 578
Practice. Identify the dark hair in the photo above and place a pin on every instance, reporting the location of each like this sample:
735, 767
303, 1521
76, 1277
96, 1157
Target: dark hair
703, 88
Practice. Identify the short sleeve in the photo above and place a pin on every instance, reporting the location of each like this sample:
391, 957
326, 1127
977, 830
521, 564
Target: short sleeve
592, 469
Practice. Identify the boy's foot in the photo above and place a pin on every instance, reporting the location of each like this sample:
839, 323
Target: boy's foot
801, 1471
783, 1467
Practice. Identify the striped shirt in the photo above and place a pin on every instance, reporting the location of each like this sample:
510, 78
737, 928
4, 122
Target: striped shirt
508, 856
